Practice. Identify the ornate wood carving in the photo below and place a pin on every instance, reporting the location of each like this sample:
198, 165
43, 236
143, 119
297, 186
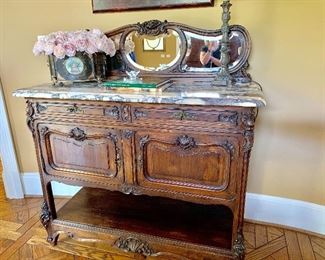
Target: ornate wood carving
230, 148
238, 247
248, 140
44, 130
113, 112
152, 27
183, 115
40, 108
45, 214
134, 245
30, 112
74, 109
128, 134
242, 76
138, 114
185, 142
176, 137
118, 156
248, 119
78, 134
228, 118
125, 113
129, 189
143, 140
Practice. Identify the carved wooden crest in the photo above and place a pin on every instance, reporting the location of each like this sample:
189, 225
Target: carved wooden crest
152, 27
134, 245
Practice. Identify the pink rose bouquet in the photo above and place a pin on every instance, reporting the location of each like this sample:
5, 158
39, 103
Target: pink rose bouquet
62, 44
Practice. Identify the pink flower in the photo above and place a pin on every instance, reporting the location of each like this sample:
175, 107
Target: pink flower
96, 32
81, 41
106, 45
59, 51
70, 49
68, 43
38, 48
49, 48
91, 48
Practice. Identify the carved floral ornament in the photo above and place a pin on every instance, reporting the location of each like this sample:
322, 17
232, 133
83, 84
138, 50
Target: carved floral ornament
152, 27
78, 134
185, 142
45, 214
134, 245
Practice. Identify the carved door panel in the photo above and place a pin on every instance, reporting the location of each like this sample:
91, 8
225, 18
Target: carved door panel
186, 162
81, 152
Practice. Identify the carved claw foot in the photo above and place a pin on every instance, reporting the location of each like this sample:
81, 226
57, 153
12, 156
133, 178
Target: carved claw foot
53, 238
238, 247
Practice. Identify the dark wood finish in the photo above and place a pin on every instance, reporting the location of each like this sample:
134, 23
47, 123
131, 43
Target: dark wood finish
100, 6
195, 154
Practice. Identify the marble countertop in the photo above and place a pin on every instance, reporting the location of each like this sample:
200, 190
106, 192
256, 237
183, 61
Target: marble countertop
187, 93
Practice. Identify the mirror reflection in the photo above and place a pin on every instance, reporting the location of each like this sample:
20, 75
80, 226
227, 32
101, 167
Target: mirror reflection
158, 53
153, 53
204, 53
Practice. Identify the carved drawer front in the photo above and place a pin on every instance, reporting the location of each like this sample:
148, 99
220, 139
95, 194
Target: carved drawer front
185, 162
185, 114
81, 152
109, 111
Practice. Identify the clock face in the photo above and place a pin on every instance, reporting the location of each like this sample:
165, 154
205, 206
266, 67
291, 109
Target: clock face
78, 67
74, 65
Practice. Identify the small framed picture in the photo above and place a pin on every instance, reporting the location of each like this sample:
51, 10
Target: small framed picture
157, 44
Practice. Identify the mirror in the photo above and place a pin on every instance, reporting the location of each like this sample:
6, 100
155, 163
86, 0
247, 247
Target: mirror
153, 53
200, 49
167, 47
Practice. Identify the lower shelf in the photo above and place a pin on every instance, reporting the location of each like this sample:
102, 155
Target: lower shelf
183, 221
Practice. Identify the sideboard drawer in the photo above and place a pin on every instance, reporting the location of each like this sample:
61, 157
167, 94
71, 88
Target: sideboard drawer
180, 114
110, 112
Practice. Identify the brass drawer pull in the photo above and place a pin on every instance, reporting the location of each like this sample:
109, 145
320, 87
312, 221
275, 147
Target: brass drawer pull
74, 109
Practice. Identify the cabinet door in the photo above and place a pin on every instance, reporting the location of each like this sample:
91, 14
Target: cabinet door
190, 163
81, 152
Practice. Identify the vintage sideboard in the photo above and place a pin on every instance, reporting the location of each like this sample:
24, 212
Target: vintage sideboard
163, 174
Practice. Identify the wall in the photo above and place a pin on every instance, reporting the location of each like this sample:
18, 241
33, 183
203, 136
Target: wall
287, 59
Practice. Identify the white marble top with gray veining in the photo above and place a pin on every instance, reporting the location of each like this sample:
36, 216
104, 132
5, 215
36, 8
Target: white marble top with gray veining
187, 93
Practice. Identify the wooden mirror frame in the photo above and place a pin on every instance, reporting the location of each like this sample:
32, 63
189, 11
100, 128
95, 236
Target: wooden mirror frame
156, 27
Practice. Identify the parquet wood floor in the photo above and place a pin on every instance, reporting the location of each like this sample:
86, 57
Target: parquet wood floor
22, 237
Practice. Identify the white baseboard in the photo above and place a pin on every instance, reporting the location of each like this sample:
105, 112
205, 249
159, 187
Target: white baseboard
270, 209
287, 212
32, 186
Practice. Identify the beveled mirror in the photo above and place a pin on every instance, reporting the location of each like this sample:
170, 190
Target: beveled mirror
156, 47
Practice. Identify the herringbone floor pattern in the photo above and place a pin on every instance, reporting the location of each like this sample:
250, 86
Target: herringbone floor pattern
22, 237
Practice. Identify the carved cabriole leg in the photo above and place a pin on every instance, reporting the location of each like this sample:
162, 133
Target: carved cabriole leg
248, 120
238, 246
48, 213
